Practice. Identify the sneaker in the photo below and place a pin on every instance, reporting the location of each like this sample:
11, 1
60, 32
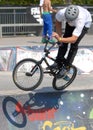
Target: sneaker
51, 41
63, 71
55, 65
66, 77
44, 40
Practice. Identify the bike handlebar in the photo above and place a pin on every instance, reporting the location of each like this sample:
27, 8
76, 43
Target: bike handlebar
48, 49
52, 45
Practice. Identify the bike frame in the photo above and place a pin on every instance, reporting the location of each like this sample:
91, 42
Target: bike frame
47, 51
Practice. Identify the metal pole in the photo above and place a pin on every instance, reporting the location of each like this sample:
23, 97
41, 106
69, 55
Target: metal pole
0, 31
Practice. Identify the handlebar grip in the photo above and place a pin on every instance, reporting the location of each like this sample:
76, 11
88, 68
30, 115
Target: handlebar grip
59, 43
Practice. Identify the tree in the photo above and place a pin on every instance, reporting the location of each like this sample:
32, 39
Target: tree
54, 2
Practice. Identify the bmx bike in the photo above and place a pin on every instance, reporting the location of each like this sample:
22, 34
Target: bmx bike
28, 73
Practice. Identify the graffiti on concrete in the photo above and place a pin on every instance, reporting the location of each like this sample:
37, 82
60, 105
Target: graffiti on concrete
9, 56
54, 111
61, 125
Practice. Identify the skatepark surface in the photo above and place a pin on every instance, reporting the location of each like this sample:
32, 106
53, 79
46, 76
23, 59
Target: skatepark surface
46, 108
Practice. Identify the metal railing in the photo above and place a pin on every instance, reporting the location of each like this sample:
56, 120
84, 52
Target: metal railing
20, 29
15, 21
12, 15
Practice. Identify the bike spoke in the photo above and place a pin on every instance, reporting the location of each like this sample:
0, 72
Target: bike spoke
27, 74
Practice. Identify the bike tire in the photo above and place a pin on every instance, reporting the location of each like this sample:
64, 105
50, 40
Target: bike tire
20, 119
61, 83
27, 82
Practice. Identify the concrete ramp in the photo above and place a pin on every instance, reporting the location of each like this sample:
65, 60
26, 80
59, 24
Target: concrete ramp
68, 110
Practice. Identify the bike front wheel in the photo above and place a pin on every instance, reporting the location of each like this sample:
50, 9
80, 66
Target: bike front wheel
14, 112
66, 80
27, 74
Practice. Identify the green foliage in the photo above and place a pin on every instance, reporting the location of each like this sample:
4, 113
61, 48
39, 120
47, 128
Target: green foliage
36, 2
83, 2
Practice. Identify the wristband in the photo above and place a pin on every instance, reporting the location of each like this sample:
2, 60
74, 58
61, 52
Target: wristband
60, 39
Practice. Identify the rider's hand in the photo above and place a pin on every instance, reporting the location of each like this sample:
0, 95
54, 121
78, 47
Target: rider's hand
57, 37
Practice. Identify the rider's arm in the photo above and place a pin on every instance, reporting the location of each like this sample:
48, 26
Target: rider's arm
59, 37
71, 39
58, 27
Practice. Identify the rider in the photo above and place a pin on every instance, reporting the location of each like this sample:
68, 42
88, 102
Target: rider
45, 12
78, 21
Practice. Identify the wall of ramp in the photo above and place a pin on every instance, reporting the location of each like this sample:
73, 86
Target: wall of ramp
9, 56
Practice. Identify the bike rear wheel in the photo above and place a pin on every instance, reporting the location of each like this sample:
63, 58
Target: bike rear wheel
66, 80
27, 74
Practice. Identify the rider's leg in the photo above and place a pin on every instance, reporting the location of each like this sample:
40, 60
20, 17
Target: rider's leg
63, 49
61, 53
74, 47
72, 52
